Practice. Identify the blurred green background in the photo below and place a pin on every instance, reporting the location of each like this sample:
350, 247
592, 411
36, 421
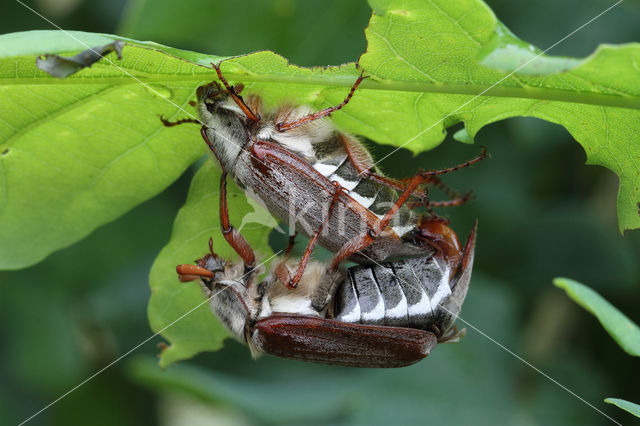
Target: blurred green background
542, 214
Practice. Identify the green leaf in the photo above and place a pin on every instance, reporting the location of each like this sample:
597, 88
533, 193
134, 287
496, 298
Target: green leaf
618, 325
625, 405
79, 152
435, 49
463, 136
172, 304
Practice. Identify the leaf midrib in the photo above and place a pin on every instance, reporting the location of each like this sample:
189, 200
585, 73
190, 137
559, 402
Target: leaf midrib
557, 95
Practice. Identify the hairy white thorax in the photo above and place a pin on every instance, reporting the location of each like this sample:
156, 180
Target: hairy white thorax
299, 140
311, 297
230, 300
225, 129
228, 125
237, 301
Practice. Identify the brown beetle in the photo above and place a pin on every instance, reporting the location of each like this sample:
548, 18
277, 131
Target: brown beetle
302, 169
381, 315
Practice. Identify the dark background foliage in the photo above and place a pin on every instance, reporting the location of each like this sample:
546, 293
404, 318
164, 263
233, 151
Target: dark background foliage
542, 214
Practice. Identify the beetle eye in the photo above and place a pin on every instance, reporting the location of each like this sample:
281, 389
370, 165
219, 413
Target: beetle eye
208, 283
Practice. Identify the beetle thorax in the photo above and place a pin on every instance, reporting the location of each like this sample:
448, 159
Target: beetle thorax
300, 140
229, 304
226, 129
230, 299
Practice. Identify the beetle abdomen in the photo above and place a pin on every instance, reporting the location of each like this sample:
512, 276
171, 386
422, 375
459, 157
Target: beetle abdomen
332, 161
404, 293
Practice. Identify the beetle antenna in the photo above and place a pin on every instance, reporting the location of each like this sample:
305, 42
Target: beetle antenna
237, 98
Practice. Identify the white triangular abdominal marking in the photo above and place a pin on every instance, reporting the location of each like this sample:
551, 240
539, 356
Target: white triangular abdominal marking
369, 297
346, 184
363, 201
348, 306
443, 291
325, 169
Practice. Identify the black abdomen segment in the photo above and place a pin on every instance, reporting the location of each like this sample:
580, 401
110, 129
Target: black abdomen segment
404, 293
334, 164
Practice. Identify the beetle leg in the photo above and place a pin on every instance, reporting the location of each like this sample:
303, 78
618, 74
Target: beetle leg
283, 271
363, 163
283, 127
203, 133
453, 335
211, 252
450, 203
231, 234
432, 173
365, 168
358, 155
362, 241
291, 243
448, 191
455, 199
233, 237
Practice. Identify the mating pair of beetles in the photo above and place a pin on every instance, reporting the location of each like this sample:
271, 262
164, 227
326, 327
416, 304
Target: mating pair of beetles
412, 274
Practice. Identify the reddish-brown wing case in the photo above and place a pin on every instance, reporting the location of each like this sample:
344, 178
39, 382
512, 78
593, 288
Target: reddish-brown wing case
325, 341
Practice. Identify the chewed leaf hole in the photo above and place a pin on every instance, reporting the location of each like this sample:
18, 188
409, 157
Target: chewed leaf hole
61, 67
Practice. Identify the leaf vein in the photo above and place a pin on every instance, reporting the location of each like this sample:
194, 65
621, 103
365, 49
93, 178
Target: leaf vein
403, 59
45, 119
455, 22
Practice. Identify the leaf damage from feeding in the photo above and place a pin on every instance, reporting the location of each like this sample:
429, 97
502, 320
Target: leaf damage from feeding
61, 66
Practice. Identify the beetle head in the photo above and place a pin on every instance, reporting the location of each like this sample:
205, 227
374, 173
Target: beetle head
226, 124
226, 285
210, 268
211, 92
215, 99
214, 264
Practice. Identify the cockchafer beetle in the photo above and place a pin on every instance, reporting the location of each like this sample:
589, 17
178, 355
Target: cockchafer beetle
301, 168
382, 315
